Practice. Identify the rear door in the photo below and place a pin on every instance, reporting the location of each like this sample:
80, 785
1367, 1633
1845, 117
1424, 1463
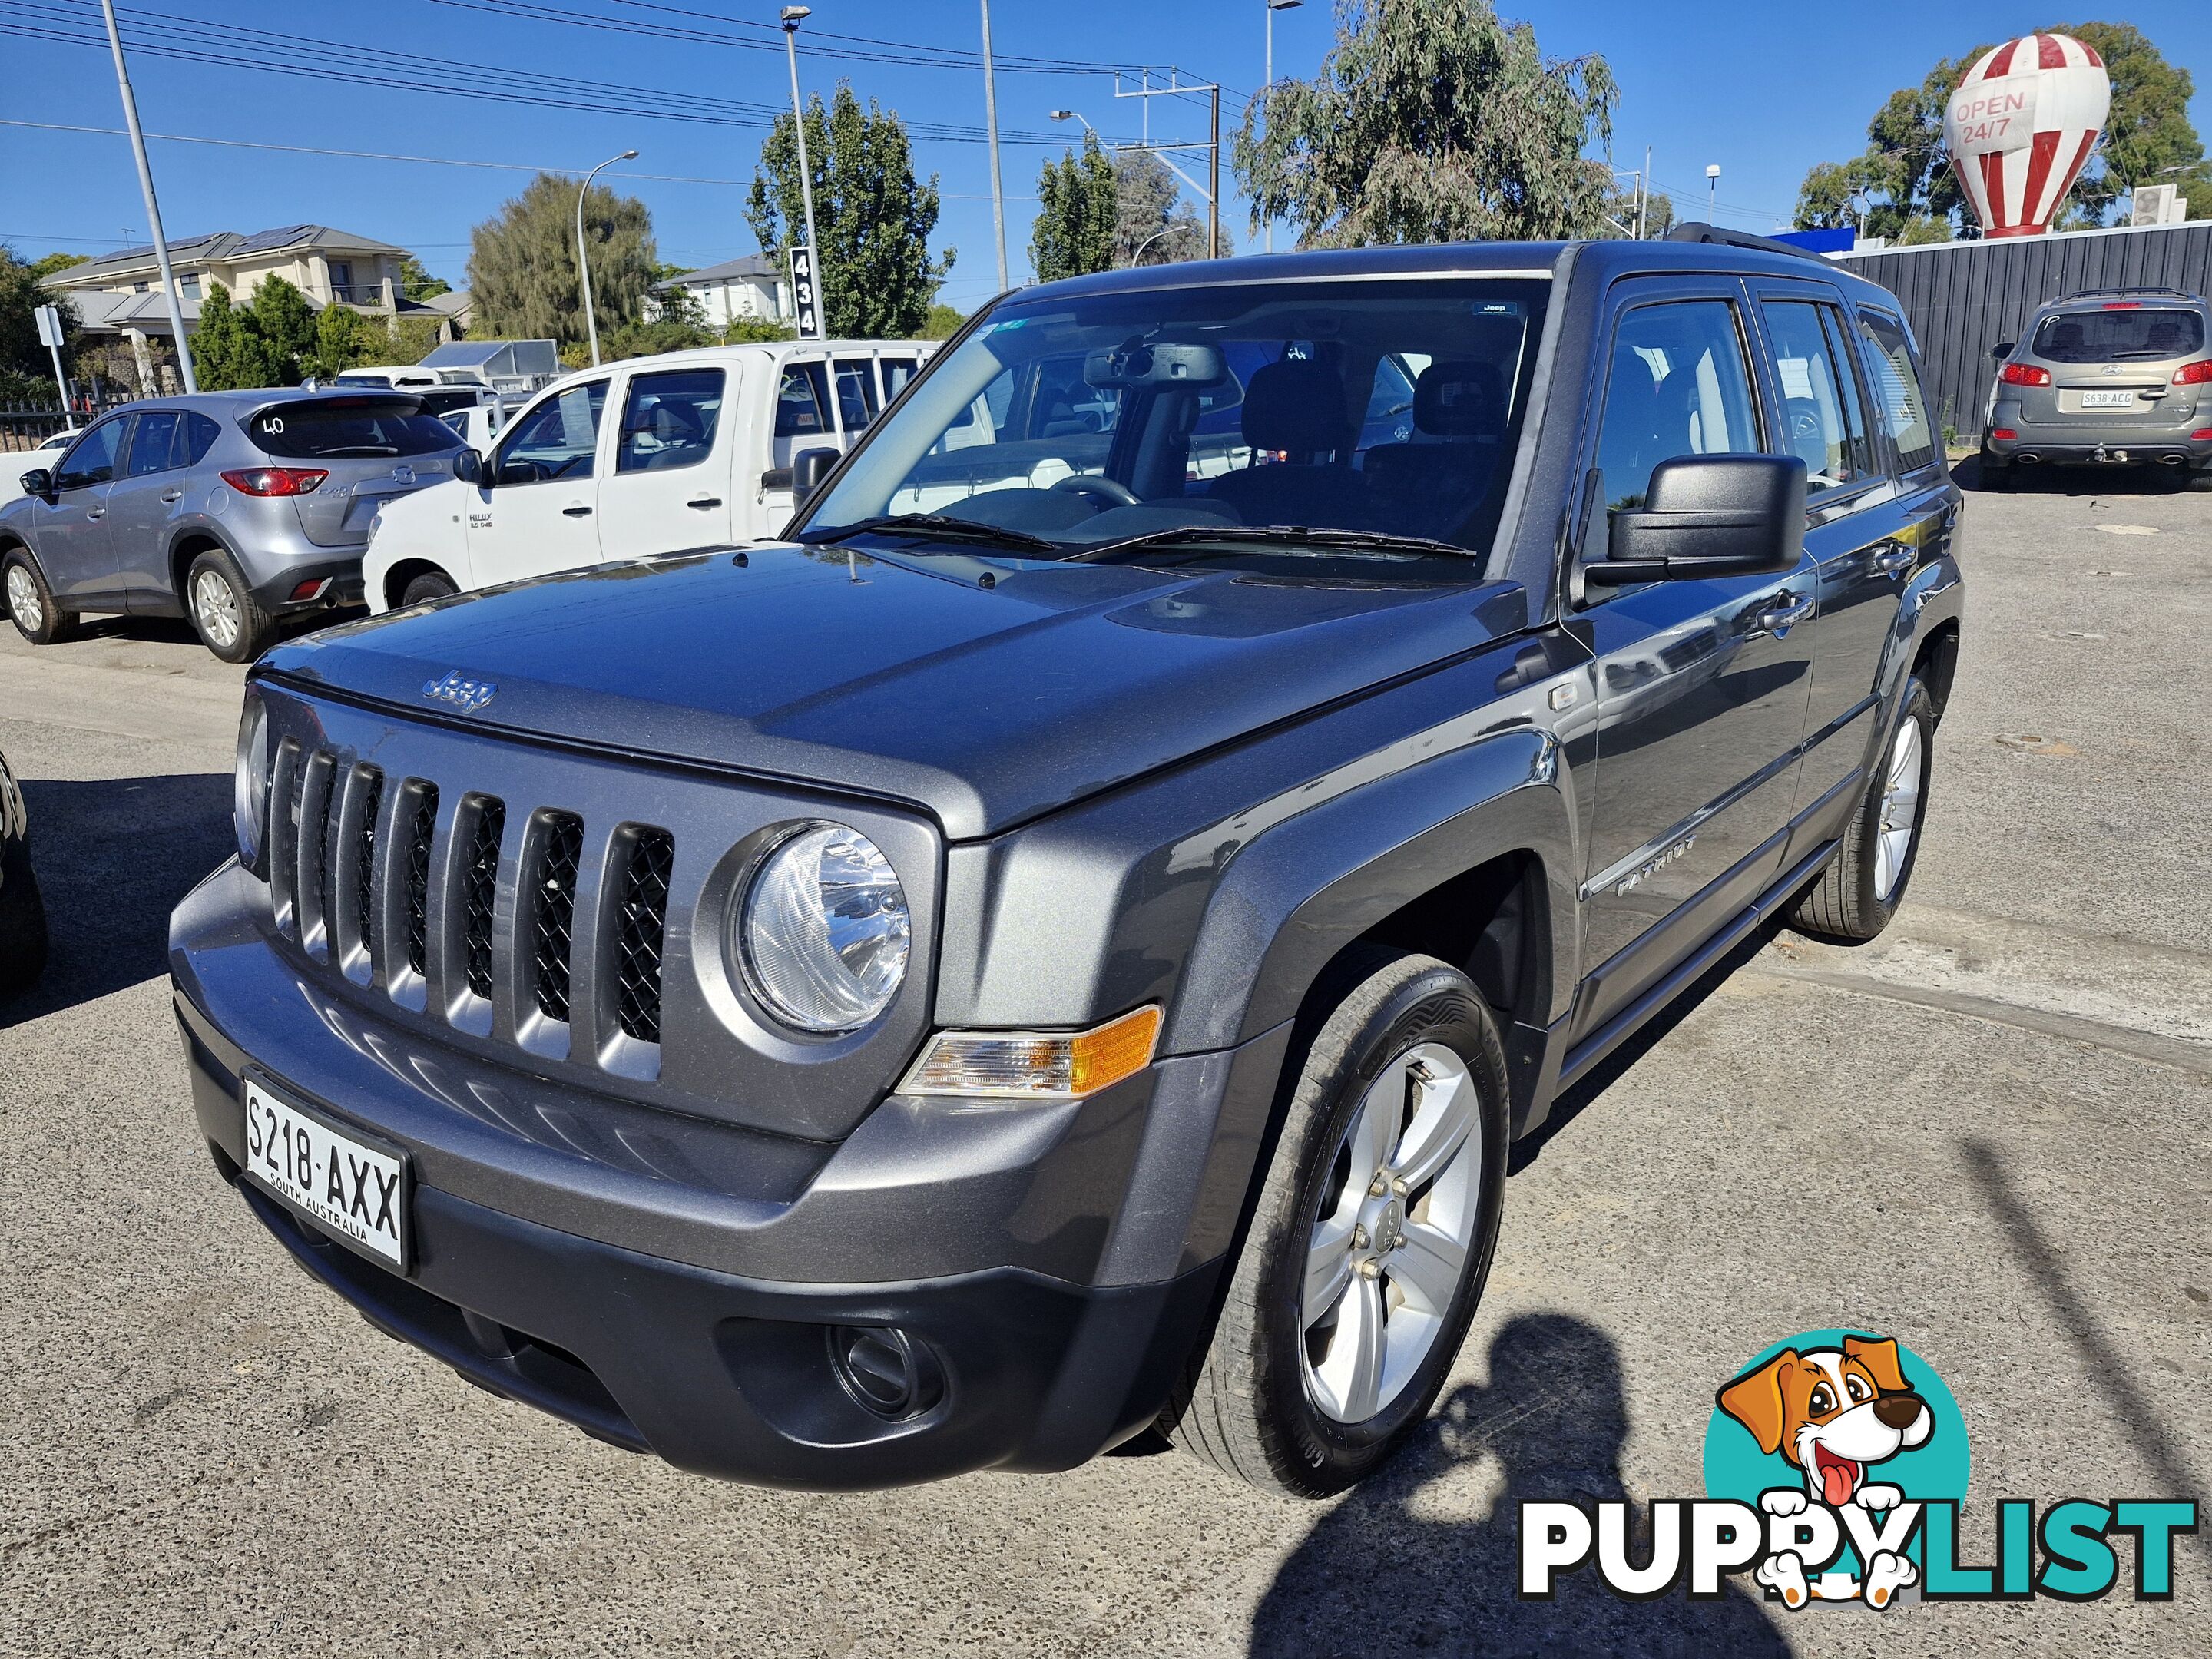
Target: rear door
1702, 686
804, 417
75, 549
669, 488
536, 510
1855, 524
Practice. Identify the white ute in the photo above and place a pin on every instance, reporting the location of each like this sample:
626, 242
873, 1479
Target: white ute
653, 455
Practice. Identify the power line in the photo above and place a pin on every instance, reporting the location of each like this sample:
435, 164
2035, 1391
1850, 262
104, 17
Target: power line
155, 34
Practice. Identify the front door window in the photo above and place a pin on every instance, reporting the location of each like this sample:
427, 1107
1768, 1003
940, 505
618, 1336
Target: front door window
556, 441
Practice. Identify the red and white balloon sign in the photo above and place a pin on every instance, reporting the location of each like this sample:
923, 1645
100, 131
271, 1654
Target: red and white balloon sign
2020, 125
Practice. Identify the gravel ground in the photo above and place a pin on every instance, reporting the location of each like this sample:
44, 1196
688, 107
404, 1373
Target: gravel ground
1985, 1135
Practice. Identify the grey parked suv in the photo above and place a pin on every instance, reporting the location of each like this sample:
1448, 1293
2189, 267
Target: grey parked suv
233, 508
2106, 377
1062, 947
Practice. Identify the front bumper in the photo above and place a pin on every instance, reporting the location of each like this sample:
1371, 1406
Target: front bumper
671, 1286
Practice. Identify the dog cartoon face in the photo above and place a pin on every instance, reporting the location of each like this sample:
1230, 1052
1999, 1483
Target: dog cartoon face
1831, 1412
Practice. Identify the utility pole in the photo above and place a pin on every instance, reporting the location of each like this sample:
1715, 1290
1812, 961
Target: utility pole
583, 253
1274, 6
1644, 198
1176, 88
990, 121
152, 207
792, 17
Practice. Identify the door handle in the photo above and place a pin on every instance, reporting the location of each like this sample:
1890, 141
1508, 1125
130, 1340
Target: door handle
705, 503
172, 496
95, 513
1778, 619
1895, 558
576, 512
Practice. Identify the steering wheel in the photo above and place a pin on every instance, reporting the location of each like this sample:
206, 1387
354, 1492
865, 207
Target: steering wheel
1107, 492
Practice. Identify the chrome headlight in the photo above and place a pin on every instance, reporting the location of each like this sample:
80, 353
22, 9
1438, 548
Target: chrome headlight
823, 932
250, 793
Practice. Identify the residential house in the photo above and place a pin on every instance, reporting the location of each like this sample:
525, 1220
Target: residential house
758, 285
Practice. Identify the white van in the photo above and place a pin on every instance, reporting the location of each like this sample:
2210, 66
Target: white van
652, 455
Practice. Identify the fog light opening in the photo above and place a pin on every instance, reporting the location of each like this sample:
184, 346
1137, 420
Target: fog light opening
887, 1373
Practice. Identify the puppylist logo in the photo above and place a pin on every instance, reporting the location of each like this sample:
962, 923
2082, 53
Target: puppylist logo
1835, 1463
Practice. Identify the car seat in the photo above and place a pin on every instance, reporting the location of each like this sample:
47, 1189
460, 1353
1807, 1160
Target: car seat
1297, 406
1429, 488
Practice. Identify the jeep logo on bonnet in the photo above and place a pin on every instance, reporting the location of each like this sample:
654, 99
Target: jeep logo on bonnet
466, 695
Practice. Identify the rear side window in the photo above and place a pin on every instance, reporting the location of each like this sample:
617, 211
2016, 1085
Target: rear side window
195, 437
897, 371
1819, 403
802, 402
348, 428
1898, 402
669, 420
2119, 334
856, 393
153, 443
1679, 386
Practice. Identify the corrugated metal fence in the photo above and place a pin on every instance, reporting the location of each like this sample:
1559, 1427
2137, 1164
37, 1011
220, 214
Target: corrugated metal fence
1965, 297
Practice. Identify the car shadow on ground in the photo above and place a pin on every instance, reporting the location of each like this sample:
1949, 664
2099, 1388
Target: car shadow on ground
1383, 1572
112, 857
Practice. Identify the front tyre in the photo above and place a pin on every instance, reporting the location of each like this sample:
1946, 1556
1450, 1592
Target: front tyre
1860, 890
30, 602
1370, 1242
229, 619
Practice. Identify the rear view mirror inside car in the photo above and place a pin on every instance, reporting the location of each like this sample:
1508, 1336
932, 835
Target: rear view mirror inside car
1137, 363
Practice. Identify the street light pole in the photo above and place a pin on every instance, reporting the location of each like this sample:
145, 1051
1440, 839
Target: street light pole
990, 121
153, 208
1274, 6
792, 17
583, 256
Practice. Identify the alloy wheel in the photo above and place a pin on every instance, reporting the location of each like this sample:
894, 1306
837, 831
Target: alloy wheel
1389, 1246
216, 608
23, 602
1900, 810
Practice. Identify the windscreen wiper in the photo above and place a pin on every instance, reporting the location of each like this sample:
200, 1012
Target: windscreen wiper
941, 526
1276, 535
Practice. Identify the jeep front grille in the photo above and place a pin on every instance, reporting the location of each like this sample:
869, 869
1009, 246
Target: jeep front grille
553, 911
422, 823
370, 782
480, 892
643, 928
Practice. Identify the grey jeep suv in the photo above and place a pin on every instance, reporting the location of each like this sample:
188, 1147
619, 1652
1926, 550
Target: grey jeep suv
2106, 377
233, 508
1060, 947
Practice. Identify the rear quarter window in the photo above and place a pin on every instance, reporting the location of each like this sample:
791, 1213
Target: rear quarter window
342, 431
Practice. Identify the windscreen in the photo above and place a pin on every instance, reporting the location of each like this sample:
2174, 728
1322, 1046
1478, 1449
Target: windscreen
1391, 407
336, 428
2119, 334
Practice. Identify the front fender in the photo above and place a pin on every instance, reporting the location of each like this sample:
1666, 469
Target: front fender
1292, 900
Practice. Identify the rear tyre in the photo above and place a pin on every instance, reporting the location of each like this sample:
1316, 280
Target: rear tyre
2200, 481
430, 585
229, 619
22, 921
1993, 474
1860, 890
30, 602
1370, 1242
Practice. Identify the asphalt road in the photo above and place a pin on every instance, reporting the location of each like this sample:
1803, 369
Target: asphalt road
1985, 1135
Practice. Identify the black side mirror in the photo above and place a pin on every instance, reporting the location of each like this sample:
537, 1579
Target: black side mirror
2002, 351
468, 466
38, 482
1708, 515
808, 468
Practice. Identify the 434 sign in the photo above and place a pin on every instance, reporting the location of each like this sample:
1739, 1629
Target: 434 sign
806, 294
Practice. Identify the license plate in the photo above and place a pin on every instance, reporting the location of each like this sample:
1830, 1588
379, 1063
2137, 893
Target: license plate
327, 1174
2108, 400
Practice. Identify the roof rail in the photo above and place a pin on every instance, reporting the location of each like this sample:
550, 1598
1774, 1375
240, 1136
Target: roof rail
1695, 230
2099, 293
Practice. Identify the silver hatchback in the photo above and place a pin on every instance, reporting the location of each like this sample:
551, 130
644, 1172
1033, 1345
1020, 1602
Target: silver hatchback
236, 509
2106, 377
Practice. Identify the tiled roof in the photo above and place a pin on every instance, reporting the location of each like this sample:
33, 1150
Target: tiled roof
752, 264
225, 245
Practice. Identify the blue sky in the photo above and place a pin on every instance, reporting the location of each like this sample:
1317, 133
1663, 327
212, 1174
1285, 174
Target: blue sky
1762, 90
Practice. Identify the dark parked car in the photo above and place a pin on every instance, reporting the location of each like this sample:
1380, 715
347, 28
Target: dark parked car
22, 913
2106, 377
233, 508
980, 982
